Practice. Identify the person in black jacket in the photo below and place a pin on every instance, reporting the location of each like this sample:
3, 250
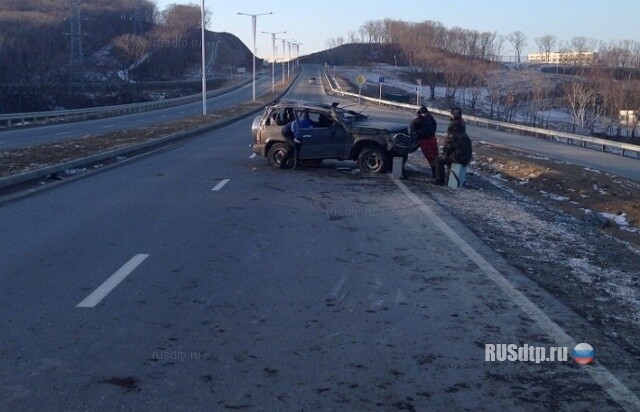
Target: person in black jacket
457, 146
424, 127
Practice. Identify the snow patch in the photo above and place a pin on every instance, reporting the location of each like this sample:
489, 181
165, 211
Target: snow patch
553, 196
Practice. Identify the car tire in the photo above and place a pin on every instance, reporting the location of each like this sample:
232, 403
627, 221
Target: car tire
280, 156
373, 160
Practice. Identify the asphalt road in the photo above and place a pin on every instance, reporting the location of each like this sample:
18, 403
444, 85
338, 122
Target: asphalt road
589, 158
249, 288
30, 136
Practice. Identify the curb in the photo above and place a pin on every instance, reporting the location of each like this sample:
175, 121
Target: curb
31, 175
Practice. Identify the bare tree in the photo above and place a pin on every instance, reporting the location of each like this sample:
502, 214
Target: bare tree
546, 44
352, 37
581, 98
582, 44
519, 41
487, 40
184, 17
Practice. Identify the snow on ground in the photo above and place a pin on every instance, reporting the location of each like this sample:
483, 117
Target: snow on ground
558, 117
586, 268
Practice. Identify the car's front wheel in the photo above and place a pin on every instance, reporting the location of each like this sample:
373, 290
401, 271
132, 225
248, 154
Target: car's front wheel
280, 156
373, 160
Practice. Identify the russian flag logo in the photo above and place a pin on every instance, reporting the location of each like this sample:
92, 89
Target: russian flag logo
583, 353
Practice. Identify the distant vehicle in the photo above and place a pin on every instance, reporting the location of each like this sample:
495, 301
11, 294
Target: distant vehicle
312, 80
337, 133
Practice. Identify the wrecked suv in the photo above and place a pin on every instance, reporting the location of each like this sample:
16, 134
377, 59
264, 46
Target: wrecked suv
336, 133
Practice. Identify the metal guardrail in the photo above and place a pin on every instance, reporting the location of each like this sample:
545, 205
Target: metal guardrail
14, 119
569, 138
30, 175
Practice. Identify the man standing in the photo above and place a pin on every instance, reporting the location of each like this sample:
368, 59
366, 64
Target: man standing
296, 126
457, 146
423, 127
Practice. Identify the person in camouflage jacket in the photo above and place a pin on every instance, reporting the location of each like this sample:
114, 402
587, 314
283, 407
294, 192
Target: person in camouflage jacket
457, 146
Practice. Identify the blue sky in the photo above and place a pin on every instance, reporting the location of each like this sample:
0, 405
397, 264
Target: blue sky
312, 23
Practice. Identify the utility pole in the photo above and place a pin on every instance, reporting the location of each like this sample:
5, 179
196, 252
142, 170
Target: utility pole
76, 52
204, 64
273, 59
284, 57
253, 27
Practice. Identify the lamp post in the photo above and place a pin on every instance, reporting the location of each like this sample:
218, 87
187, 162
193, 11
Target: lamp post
204, 74
273, 61
296, 53
253, 26
289, 43
284, 57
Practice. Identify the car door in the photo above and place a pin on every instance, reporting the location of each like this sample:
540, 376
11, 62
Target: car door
323, 143
271, 128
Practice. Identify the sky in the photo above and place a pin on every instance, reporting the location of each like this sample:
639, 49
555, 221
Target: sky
313, 23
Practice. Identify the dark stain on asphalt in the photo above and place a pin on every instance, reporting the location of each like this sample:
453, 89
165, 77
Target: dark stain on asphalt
129, 383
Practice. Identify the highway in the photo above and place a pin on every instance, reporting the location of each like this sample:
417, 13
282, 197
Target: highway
198, 278
31, 136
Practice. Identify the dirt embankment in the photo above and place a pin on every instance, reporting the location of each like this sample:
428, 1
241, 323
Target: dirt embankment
605, 200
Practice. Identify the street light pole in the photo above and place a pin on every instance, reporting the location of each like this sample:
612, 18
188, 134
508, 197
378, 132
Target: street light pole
253, 26
289, 60
284, 57
296, 54
204, 74
273, 61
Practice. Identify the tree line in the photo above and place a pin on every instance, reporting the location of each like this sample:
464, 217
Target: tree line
468, 64
58, 52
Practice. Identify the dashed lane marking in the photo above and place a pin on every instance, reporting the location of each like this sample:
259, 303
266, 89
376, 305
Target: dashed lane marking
114, 280
220, 185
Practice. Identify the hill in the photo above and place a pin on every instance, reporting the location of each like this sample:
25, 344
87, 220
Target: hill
70, 54
358, 54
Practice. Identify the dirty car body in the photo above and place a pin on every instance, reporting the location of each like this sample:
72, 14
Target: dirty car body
336, 133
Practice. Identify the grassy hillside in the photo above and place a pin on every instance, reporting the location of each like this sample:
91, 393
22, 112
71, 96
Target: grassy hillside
63, 53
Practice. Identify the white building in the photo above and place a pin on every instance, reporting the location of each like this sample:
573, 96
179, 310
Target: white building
575, 58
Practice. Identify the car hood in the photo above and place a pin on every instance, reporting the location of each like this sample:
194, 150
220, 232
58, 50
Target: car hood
377, 125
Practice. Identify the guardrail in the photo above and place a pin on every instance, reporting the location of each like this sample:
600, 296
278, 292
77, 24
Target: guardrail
30, 175
569, 138
14, 119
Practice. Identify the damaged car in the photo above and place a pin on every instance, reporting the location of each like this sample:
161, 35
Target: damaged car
333, 132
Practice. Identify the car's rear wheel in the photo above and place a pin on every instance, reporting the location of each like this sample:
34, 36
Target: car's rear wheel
373, 160
280, 156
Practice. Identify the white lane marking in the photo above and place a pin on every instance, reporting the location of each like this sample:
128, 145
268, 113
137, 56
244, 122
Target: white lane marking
616, 389
252, 156
114, 280
220, 185
60, 133
109, 125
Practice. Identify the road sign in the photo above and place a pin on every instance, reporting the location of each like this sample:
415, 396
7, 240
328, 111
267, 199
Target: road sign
361, 80
381, 79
